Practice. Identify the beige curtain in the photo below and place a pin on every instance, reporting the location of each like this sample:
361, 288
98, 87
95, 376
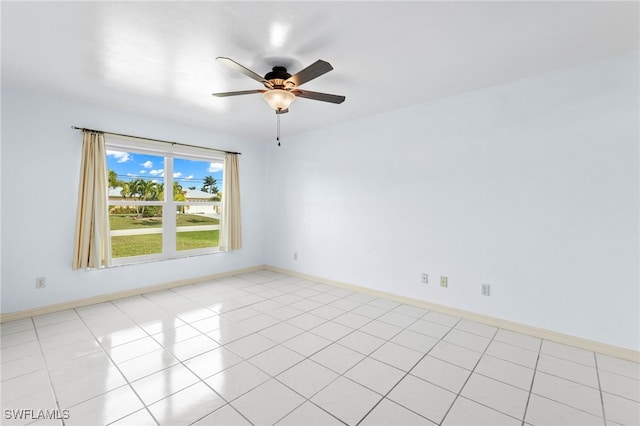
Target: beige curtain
92, 242
230, 229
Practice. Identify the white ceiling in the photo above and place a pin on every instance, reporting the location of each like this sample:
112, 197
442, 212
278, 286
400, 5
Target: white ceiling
157, 58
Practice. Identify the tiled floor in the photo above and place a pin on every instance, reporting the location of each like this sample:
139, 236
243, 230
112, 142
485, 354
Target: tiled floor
267, 348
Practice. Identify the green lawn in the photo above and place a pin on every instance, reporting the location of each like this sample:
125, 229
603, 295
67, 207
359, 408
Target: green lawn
138, 245
194, 219
132, 222
198, 239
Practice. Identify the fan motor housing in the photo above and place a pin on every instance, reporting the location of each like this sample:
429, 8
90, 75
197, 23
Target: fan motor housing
277, 73
277, 78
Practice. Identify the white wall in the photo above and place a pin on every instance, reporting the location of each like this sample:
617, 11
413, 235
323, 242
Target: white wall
40, 172
532, 187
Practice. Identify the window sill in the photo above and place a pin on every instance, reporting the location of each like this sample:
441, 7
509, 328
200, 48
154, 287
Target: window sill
137, 260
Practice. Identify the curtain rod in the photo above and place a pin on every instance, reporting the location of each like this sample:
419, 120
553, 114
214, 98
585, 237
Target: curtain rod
153, 140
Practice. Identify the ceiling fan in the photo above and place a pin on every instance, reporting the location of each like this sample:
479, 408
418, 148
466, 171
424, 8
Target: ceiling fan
282, 87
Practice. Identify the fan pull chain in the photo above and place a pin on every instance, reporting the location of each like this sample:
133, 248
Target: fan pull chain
278, 134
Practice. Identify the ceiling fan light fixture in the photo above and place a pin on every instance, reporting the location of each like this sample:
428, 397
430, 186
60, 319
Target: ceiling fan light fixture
279, 99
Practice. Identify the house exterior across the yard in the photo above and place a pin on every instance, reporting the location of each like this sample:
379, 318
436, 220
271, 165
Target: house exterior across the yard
194, 196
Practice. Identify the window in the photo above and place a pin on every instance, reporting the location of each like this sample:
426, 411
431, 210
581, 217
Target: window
164, 200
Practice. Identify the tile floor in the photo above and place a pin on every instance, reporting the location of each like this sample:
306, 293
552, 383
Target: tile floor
266, 348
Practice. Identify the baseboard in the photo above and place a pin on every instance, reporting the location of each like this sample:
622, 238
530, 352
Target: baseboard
590, 345
49, 309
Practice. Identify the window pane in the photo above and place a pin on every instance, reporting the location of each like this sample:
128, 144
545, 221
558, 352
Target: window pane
196, 180
135, 176
135, 230
198, 227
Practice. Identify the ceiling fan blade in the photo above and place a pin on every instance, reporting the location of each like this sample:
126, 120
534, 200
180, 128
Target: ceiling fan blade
282, 111
242, 92
314, 70
244, 70
324, 97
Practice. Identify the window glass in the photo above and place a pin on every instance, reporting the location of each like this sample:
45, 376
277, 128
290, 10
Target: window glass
197, 189
133, 234
196, 232
135, 176
197, 175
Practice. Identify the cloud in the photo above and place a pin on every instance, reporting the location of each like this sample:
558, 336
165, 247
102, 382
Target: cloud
158, 172
142, 172
215, 167
188, 177
147, 164
122, 157
177, 174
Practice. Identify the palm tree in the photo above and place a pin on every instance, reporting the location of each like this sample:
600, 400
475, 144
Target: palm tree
178, 192
150, 190
113, 179
143, 190
178, 195
136, 188
126, 190
210, 185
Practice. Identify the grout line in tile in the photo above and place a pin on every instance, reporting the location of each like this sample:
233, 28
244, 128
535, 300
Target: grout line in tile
220, 408
533, 379
565, 359
470, 374
604, 413
52, 388
568, 379
567, 405
563, 378
311, 402
290, 411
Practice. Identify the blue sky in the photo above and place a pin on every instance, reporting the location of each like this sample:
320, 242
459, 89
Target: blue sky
133, 165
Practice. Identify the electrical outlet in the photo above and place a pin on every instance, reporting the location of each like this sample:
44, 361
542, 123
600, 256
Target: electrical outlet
41, 282
444, 282
485, 290
425, 278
